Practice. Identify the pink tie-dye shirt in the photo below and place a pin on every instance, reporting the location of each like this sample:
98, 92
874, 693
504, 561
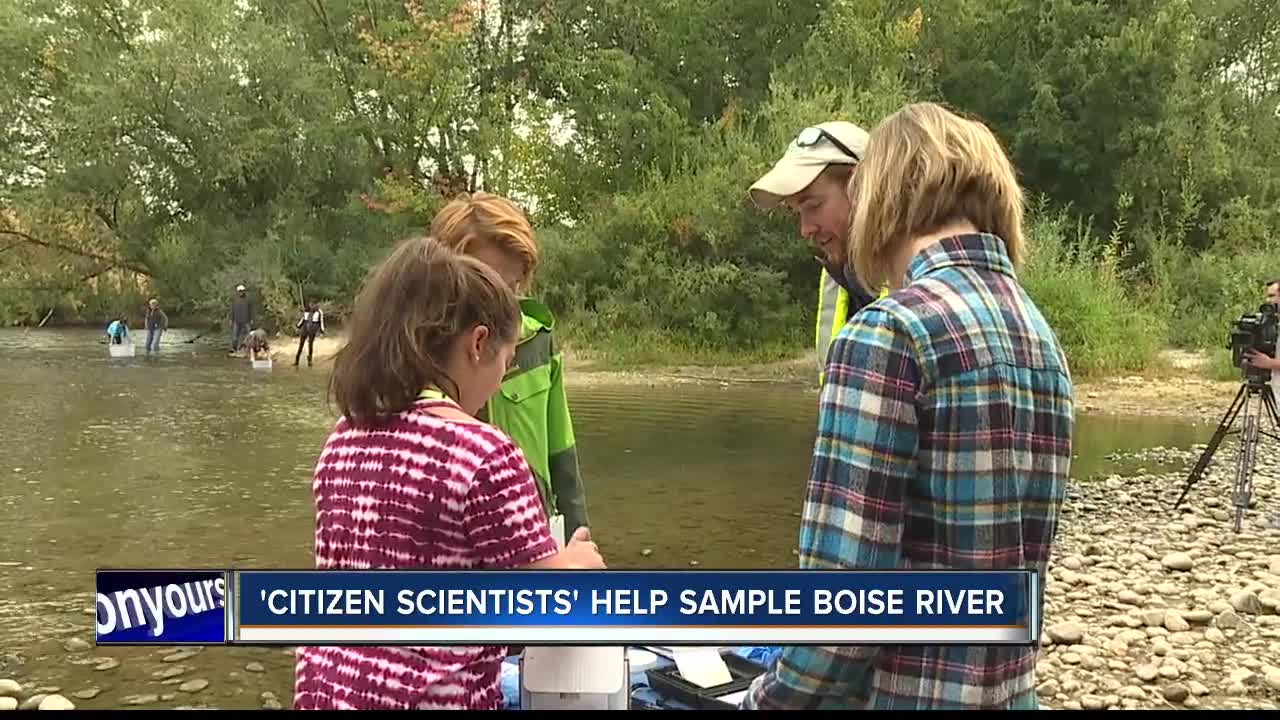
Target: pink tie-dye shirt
420, 491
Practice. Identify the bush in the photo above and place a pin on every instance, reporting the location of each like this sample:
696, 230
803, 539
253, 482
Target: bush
1093, 304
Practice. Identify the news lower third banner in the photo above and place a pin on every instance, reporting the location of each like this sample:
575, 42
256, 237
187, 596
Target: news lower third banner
328, 607
162, 607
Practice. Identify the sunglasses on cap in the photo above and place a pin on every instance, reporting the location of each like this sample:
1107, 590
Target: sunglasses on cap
811, 136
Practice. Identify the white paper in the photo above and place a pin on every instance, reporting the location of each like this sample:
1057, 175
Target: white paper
735, 698
702, 666
557, 530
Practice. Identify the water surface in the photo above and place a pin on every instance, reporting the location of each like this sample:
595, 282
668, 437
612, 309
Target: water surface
193, 459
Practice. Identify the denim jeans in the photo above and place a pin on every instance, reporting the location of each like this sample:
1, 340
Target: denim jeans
239, 331
153, 339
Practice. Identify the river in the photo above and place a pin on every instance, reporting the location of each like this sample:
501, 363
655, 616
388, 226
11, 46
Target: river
193, 459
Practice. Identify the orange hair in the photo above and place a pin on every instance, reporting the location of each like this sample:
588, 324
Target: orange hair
481, 217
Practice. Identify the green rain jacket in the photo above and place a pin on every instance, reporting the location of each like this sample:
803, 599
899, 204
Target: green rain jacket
532, 409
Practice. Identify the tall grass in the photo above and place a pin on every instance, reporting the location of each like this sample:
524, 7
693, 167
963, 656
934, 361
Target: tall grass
1094, 305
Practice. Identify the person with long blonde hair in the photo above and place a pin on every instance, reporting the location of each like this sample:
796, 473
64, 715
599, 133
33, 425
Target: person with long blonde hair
531, 406
945, 429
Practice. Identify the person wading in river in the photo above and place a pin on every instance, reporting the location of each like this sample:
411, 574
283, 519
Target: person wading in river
157, 323
309, 325
241, 317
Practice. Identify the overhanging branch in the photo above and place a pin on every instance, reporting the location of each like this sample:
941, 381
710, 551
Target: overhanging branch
53, 245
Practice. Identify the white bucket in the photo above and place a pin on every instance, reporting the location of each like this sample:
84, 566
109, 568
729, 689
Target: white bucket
262, 364
123, 350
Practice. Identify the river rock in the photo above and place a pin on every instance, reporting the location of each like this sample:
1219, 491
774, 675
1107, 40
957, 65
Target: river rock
1214, 635
1092, 702
1217, 607
1272, 680
73, 645
1273, 564
1129, 597
56, 702
1246, 602
86, 694
1048, 688
107, 664
167, 697
255, 667
1169, 672
1066, 633
1198, 688
8, 703
1270, 601
1227, 620
170, 672
1178, 561
1153, 617
1197, 617
1176, 692
272, 704
1147, 672
33, 702
1133, 692
10, 688
194, 686
179, 656
1174, 622
146, 699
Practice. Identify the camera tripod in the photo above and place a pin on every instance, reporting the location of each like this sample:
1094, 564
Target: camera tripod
1254, 399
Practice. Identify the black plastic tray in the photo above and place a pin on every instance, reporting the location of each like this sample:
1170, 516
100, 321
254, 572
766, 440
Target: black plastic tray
667, 681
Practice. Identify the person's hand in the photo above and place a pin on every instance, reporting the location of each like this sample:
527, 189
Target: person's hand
1261, 360
580, 553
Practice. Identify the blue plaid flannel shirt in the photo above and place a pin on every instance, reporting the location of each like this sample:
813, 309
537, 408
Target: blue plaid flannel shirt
944, 441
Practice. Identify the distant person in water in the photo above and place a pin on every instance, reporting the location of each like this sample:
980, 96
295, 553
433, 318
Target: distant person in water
117, 331
311, 324
256, 343
157, 323
241, 317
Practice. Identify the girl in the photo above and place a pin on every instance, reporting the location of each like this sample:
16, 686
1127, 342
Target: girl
410, 479
531, 406
311, 324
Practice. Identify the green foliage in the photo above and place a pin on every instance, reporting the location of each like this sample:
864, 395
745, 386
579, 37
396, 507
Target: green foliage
1094, 305
177, 150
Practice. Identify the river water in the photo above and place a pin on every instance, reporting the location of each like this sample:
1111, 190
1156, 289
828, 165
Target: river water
194, 459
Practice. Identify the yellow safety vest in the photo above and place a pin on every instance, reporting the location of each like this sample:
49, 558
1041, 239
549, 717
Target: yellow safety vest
833, 313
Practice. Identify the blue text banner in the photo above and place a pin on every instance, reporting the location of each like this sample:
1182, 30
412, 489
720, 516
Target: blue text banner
625, 607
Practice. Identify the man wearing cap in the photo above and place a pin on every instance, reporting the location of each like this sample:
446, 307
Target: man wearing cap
241, 317
812, 180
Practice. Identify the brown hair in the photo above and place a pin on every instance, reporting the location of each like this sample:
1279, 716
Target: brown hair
925, 168
481, 217
410, 310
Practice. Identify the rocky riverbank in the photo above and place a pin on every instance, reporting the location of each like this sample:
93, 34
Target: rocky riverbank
1147, 607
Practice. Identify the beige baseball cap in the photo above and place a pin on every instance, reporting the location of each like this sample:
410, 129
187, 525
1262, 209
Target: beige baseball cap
813, 149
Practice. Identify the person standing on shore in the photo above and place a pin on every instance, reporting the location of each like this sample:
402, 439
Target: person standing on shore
945, 423
811, 179
242, 312
531, 406
157, 323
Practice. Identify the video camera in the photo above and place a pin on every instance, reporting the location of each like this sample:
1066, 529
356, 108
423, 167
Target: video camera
1256, 331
